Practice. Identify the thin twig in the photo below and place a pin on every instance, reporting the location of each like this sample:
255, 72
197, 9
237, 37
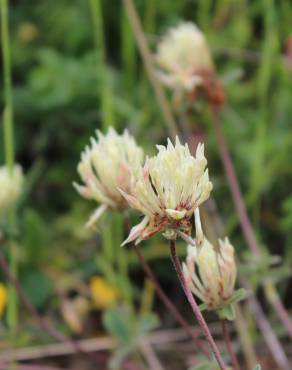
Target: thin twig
228, 343
245, 338
157, 338
268, 334
57, 349
31, 367
274, 299
150, 355
245, 223
147, 59
234, 186
195, 307
167, 302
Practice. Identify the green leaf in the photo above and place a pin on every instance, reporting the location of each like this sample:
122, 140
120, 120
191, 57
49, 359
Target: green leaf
227, 313
203, 307
205, 366
35, 236
257, 367
238, 295
118, 324
146, 323
38, 286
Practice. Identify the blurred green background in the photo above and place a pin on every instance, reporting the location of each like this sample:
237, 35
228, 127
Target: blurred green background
76, 68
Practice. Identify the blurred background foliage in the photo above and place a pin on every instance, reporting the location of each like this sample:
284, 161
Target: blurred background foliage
65, 88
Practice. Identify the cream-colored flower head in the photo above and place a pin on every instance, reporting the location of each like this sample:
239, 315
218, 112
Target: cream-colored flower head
214, 278
110, 163
181, 55
167, 191
10, 187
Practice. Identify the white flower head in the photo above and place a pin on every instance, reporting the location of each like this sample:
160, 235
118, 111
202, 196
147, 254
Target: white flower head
210, 273
168, 189
182, 55
108, 164
10, 187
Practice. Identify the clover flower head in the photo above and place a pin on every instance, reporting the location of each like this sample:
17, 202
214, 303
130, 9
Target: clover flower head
210, 273
182, 55
11, 184
108, 164
167, 190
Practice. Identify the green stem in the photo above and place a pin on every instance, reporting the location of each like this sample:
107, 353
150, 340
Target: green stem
106, 94
128, 51
9, 151
121, 258
8, 110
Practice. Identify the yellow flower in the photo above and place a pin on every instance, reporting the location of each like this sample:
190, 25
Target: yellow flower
10, 187
3, 298
168, 190
214, 279
108, 164
102, 293
182, 55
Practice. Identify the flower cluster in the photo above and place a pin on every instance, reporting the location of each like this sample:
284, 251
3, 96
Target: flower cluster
10, 187
185, 63
211, 273
167, 190
181, 55
110, 163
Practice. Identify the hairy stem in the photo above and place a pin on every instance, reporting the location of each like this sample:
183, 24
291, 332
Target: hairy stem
194, 305
167, 302
228, 343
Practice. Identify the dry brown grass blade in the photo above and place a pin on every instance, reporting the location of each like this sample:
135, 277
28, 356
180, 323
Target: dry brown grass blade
149, 67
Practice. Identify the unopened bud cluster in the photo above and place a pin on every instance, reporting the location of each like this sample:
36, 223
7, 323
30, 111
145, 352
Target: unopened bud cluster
211, 273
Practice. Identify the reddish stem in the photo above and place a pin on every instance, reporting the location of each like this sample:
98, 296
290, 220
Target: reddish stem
244, 220
194, 305
234, 186
167, 302
268, 334
228, 343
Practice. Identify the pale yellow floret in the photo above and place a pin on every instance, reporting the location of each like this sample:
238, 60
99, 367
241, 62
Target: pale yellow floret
181, 53
169, 188
107, 165
214, 279
10, 187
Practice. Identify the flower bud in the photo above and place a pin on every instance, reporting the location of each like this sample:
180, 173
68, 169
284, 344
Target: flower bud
211, 274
